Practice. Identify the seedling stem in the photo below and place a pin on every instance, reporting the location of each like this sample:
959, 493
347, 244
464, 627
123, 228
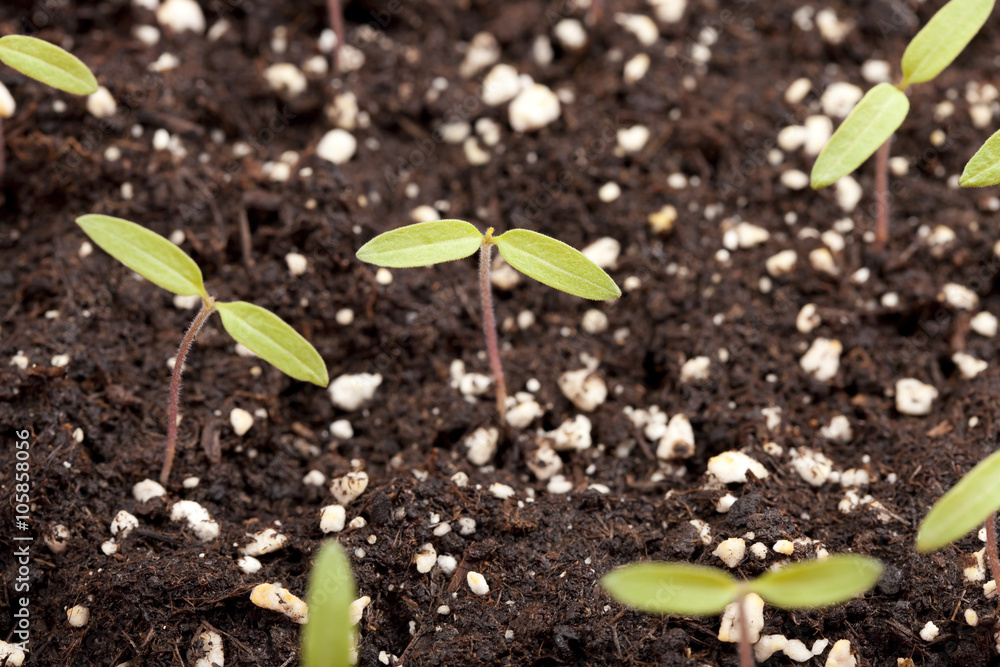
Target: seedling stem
746, 657
489, 321
207, 307
882, 196
991, 547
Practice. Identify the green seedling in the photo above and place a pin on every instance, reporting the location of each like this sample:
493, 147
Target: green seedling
973, 500
699, 590
984, 167
164, 264
871, 124
543, 258
327, 638
46, 63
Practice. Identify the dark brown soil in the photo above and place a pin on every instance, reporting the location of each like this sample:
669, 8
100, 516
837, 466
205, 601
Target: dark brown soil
542, 554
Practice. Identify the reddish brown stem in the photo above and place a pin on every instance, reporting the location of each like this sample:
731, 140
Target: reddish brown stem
337, 25
882, 196
991, 547
746, 657
489, 323
3, 148
175, 387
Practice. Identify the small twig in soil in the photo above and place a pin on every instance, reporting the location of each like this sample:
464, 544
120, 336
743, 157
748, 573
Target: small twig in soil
489, 324
175, 387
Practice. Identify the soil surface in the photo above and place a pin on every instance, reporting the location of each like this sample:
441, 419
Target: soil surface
714, 100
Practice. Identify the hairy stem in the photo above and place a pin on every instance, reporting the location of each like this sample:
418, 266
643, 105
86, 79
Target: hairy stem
175, 387
882, 196
3, 149
746, 657
991, 547
490, 325
337, 25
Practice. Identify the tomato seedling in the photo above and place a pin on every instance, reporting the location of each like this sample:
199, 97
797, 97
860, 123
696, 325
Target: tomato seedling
973, 500
870, 125
698, 590
46, 63
541, 257
164, 264
327, 638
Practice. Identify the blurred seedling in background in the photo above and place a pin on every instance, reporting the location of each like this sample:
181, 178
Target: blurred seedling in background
543, 258
984, 167
46, 63
697, 590
164, 264
973, 500
328, 636
871, 124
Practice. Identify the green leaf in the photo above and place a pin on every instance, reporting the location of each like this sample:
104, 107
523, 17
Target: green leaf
870, 124
145, 252
818, 583
964, 507
943, 38
270, 338
422, 244
47, 63
326, 638
984, 167
672, 588
555, 264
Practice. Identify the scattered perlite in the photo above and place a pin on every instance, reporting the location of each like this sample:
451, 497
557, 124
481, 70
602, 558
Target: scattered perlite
277, 598
913, 397
425, 559
332, 518
78, 616
729, 630
147, 489
346, 489
350, 392
732, 466
197, 517
477, 583
264, 542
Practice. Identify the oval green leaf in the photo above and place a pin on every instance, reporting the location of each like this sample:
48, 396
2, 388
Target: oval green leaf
555, 264
984, 167
963, 508
671, 588
147, 253
47, 63
818, 583
869, 125
943, 38
270, 338
422, 244
326, 638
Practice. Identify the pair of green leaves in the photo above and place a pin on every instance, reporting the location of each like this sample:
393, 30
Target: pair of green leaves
326, 638
882, 110
541, 257
698, 590
964, 507
47, 63
164, 264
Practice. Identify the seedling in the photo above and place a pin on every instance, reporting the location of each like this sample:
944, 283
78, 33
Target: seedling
543, 258
699, 590
46, 63
878, 115
984, 167
974, 499
328, 635
164, 264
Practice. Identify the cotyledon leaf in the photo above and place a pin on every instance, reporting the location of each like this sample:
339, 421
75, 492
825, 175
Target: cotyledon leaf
145, 252
555, 264
940, 41
672, 588
270, 338
326, 638
984, 167
964, 507
818, 583
879, 113
47, 63
422, 244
